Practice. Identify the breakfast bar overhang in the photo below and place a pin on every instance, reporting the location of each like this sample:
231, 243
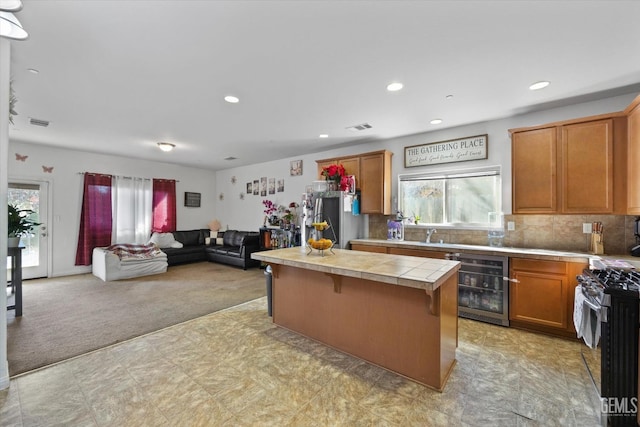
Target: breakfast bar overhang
398, 312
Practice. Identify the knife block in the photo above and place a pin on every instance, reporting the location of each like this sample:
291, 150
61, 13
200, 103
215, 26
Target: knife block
597, 244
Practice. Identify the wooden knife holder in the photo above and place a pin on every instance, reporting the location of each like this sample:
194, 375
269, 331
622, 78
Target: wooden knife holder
597, 244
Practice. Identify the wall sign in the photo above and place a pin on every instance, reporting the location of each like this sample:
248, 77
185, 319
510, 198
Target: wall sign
451, 151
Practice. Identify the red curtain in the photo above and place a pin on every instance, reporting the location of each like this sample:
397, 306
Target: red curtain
164, 205
95, 218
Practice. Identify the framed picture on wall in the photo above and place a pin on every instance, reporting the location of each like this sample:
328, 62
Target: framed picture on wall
272, 186
280, 185
249, 188
295, 168
256, 187
191, 200
263, 186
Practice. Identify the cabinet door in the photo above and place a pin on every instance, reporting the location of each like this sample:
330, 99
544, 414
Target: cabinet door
539, 297
352, 167
633, 162
587, 167
534, 171
375, 183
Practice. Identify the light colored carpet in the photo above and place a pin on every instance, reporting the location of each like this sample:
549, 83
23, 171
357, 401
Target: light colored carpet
67, 316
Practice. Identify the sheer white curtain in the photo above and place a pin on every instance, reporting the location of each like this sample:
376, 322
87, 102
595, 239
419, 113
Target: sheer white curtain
132, 209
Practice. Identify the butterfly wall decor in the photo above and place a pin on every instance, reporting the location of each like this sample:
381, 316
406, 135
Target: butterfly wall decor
47, 169
21, 158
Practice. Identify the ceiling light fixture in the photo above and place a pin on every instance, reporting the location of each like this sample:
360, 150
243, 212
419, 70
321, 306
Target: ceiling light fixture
166, 146
539, 85
10, 5
324, 135
11, 28
448, 97
394, 87
33, 71
436, 121
231, 99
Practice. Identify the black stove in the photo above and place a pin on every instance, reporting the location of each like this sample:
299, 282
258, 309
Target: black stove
614, 294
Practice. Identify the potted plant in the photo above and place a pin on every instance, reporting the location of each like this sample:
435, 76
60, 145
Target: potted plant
19, 224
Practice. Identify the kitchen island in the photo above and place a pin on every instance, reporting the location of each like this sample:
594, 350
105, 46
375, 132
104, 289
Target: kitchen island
395, 311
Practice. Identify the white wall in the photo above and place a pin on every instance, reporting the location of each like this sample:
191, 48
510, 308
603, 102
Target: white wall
235, 213
65, 191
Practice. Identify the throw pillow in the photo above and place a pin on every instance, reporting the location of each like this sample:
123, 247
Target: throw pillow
176, 244
162, 240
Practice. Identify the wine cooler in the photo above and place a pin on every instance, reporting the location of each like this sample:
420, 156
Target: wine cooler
483, 292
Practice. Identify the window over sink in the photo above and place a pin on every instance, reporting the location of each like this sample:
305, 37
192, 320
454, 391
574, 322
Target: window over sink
457, 198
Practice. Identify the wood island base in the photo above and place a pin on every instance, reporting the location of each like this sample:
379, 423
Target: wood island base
410, 331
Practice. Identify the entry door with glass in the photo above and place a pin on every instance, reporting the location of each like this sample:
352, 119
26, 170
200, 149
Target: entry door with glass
33, 195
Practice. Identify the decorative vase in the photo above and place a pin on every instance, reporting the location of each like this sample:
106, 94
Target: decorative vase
14, 242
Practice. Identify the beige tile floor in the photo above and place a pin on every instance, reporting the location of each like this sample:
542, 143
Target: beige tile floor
235, 368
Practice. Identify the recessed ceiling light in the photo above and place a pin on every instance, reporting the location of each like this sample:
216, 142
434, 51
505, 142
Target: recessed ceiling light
232, 99
448, 97
33, 70
324, 135
539, 85
166, 146
436, 121
394, 87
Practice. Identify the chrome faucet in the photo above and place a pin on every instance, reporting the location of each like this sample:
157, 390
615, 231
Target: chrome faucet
429, 233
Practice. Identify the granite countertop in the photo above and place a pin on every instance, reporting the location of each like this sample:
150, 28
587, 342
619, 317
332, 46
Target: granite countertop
542, 254
421, 273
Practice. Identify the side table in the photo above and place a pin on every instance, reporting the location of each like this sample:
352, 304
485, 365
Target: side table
16, 278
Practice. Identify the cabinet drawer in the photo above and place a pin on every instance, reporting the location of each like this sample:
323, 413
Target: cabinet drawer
554, 267
418, 253
368, 248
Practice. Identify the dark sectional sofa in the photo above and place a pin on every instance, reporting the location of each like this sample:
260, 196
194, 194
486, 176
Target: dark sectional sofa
193, 249
236, 249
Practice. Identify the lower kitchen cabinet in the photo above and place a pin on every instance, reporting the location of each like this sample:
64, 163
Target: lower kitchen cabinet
541, 295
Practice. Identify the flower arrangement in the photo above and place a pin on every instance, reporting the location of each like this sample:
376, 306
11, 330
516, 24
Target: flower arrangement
269, 207
337, 174
290, 214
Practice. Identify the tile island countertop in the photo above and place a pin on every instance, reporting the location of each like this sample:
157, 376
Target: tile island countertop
421, 273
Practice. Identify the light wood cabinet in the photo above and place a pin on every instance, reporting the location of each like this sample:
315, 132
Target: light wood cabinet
534, 181
541, 295
573, 167
375, 183
587, 167
633, 158
373, 178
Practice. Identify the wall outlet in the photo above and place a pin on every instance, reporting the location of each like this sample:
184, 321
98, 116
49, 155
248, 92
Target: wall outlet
586, 227
511, 226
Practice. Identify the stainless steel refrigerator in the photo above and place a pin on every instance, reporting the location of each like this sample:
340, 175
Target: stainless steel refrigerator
335, 207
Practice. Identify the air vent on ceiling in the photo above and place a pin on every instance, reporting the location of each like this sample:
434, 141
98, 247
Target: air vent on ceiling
230, 158
357, 128
38, 122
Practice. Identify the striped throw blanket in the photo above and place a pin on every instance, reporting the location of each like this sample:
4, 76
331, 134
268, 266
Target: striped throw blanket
129, 250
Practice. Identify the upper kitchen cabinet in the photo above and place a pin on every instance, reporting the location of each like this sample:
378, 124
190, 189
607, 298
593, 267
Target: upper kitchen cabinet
573, 167
633, 159
534, 154
351, 166
375, 182
373, 178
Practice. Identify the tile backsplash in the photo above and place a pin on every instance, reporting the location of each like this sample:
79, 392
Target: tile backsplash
557, 232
